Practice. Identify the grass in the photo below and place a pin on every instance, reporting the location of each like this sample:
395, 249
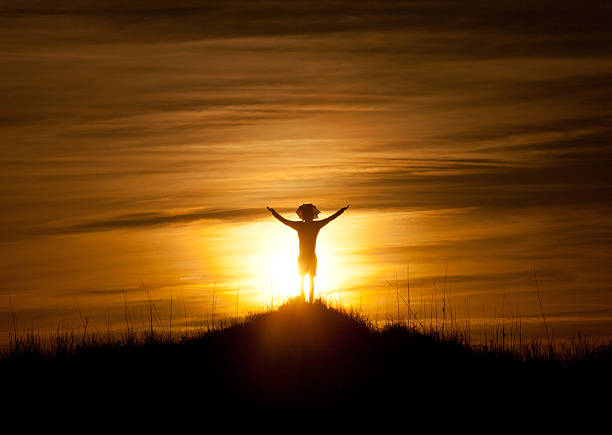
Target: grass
498, 339
299, 355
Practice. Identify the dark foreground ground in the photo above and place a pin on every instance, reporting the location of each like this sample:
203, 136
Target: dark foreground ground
303, 357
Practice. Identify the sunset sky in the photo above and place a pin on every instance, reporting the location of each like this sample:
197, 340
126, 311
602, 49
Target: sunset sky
142, 144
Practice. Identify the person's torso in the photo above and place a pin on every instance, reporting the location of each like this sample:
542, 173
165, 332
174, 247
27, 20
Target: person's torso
307, 233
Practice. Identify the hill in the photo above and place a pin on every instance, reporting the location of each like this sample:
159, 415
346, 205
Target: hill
300, 356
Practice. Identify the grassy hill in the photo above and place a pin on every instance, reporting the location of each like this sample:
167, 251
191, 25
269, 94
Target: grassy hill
299, 356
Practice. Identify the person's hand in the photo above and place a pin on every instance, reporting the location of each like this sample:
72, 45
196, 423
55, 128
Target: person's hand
344, 208
271, 210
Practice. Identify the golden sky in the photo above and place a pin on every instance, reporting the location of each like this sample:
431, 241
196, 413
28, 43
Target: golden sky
142, 144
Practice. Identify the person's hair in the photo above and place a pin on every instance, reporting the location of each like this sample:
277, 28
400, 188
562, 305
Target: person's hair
307, 212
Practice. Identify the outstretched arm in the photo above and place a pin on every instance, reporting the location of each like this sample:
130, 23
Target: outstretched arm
327, 220
287, 222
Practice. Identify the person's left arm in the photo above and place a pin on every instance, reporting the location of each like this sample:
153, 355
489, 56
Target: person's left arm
327, 220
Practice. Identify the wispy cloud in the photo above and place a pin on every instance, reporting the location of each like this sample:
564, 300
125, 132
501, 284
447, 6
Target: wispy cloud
145, 220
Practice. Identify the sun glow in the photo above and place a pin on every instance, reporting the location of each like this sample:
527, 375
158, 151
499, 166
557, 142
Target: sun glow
261, 257
276, 262
269, 253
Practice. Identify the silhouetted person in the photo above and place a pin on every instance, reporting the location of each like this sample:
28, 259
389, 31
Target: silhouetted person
307, 230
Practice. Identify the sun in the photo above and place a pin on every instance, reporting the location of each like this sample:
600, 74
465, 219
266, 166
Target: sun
280, 267
278, 254
277, 260
265, 254
275, 263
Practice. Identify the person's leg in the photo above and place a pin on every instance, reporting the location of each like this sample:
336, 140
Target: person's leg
311, 293
302, 287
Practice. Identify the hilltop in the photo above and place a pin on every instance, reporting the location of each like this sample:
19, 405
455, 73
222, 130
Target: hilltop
294, 357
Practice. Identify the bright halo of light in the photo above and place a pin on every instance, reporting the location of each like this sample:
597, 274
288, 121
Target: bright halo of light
274, 264
264, 257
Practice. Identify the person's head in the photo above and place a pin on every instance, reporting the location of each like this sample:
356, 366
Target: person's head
307, 212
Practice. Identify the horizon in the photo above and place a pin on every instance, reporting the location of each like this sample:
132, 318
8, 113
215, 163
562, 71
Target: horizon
142, 145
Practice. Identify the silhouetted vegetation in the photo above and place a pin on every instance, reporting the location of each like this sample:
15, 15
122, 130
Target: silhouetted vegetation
298, 355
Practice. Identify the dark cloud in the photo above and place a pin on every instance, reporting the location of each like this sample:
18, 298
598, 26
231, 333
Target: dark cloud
144, 220
185, 20
101, 292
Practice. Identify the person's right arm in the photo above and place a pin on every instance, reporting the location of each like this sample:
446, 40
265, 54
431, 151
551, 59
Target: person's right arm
287, 222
